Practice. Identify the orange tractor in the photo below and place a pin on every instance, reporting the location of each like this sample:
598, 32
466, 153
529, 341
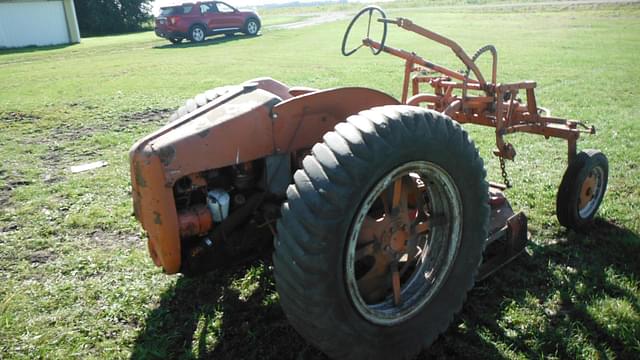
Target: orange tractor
377, 207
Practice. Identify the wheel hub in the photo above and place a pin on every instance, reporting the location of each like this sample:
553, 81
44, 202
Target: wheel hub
399, 240
587, 193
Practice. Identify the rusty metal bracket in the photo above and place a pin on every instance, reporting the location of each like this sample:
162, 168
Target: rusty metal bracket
504, 246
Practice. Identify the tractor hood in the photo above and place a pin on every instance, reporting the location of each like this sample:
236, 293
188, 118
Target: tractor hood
189, 144
249, 122
213, 136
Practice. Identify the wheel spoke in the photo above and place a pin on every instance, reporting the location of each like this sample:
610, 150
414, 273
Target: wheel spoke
397, 194
413, 250
372, 229
411, 260
395, 283
420, 228
374, 284
365, 250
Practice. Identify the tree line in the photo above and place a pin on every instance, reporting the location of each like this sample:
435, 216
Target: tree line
99, 17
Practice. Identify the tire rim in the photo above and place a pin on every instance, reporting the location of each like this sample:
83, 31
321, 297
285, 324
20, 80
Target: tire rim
252, 27
403, 242
197, 34
591, 192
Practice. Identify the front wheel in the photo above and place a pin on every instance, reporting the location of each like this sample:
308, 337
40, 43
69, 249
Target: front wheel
582, 189
382, 233
252, 27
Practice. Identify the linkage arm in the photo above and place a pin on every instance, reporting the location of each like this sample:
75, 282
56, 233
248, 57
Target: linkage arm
457, 49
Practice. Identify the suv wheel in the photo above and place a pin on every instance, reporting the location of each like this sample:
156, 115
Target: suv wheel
197, 33
252, 27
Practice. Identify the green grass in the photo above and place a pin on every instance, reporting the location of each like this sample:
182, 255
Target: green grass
76, 278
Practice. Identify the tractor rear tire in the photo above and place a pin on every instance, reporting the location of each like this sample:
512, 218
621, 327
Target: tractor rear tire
344, 181
582, 189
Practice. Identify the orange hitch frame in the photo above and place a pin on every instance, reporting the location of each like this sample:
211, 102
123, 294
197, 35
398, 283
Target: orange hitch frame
497, 106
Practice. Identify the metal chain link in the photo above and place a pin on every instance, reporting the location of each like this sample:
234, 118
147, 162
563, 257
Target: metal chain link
505, 177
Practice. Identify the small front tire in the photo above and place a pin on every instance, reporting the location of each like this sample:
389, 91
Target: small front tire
582, 189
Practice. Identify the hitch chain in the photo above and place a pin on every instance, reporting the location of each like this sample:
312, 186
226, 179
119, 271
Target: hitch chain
505, 177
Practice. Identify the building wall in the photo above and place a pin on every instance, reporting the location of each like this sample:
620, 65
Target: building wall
37, 22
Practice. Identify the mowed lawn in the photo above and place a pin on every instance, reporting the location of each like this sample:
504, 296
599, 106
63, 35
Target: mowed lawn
75, 278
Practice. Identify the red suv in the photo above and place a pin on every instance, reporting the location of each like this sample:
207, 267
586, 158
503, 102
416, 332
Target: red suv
196, 21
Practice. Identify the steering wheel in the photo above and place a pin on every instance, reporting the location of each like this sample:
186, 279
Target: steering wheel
370, 10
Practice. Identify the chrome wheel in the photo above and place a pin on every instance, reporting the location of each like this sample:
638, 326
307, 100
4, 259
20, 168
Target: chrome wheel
403, 242
252, 27
197, 34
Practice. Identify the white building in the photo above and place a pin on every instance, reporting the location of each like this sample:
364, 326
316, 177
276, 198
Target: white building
38, 22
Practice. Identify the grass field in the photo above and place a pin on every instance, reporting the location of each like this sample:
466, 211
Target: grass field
76, 281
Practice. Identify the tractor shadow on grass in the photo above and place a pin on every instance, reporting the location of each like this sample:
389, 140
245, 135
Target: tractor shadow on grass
539, 305
225, 314
535, 306
219, 39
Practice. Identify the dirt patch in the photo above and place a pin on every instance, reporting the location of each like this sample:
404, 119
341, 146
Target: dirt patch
52, 163
42, 257
110, 240
10, 228
70, 133
67, 133
149, 116
57, 161
314, 19
11, 182
58, 157
18, 117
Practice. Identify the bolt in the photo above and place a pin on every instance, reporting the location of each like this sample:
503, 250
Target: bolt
239, 199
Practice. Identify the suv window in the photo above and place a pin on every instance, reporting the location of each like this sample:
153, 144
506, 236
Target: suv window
209, 7
176, 10
224, 8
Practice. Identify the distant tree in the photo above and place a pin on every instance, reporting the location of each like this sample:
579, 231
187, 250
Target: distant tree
98, 17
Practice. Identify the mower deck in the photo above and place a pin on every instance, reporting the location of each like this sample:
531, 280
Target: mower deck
508, 234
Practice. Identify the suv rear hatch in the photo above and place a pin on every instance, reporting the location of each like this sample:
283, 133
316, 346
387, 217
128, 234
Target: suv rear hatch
169, 15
